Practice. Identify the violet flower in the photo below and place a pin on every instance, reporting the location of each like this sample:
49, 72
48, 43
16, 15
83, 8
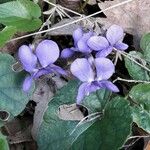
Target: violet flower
47, 52
29, 62
113, 40
27, 58
94, 76
80, 43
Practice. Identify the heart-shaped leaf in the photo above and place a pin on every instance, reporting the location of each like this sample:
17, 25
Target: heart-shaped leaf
141, 112
56, 133
142, 118
141, 95
145, 45
135, 71
22, 14
12, 99
111, 131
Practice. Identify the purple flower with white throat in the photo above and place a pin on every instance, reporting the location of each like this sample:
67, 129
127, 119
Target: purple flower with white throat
46, 53
94, 75
80, 43
113, 40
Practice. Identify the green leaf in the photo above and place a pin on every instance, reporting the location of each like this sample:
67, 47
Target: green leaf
96, 101
145, 45
111, 131
6, 34
4, 1
141, 95
23, 14
3, 142
141, 113
58, 133
12, 99
135, 71
141, 117
54, 132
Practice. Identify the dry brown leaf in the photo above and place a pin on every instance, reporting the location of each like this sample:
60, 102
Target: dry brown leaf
42, 96
70, 112
71, 4
148, 146
13, 126
68, 30
133, 16
92, 2
147, 143
18, 132
21, 136
17, 147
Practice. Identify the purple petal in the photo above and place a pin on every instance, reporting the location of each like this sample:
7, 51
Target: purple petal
82, 43
27, 83
104, 52
98, 43
85, 89
109, 85
121, 46
42, 72
58, 69
77, 34
47, 52
82, 46
114, 34
66, 53
74, 49
27, 58
93, 87
81, 92
104, 68
81, 69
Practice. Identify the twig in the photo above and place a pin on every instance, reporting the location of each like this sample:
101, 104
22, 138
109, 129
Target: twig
139, 136
70, 23
142, 60
63, 12
129, 57
131, 81
67, 9
87, 119
52, 13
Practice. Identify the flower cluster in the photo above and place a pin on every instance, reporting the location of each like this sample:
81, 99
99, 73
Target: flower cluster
80, 44
39, 62
103, 46
92, 70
